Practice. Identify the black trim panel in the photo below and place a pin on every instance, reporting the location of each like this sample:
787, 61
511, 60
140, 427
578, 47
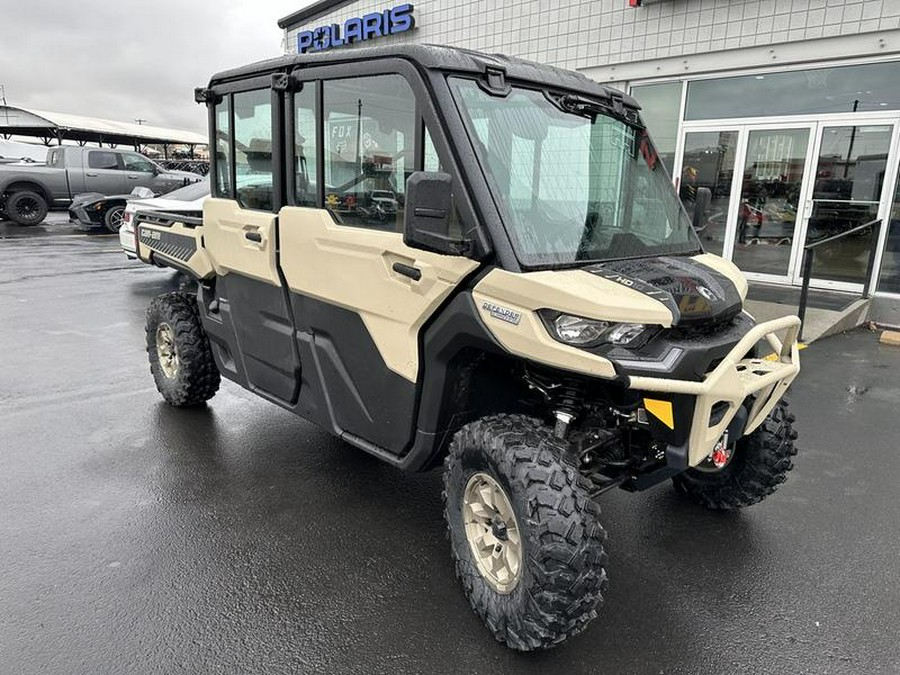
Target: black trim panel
359, 394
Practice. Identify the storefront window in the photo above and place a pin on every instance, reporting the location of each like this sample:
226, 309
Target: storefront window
890, 263
660, 110
867, 87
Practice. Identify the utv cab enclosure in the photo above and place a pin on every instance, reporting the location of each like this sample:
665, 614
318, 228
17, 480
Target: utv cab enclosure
459, 259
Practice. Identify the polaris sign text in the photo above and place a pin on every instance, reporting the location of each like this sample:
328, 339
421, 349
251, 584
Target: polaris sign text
391, 21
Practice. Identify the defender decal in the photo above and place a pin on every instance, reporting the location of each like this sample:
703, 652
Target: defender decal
502, 313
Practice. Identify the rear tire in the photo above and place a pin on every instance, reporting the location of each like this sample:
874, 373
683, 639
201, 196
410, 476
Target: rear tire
556, 588
760, 464
181, 360
26, 208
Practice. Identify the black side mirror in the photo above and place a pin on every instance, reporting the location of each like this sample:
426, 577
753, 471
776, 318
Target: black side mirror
429, 214
156, 170
701, 206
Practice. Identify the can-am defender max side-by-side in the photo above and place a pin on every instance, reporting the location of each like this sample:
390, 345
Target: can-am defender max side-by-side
447, 257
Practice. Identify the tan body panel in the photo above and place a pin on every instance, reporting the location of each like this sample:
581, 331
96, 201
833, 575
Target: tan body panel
351, 267
225, 225
164, 250
571, 291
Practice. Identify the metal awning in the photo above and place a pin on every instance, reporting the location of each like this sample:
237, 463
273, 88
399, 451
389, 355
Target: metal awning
55, 127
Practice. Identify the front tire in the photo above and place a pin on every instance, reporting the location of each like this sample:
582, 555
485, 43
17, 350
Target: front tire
759, 465
181, 359
112, 219
26, 207
525, 535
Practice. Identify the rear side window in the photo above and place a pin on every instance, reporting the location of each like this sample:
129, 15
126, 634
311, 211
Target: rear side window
99, 159
223, 148
305, 150
253, 149
369, 131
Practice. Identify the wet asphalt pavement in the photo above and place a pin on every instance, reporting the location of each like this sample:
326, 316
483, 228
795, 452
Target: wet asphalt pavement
136, 538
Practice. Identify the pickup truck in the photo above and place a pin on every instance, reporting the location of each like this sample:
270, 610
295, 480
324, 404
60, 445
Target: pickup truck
28, 191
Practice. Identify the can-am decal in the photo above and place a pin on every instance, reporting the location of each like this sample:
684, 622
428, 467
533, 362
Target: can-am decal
502, 313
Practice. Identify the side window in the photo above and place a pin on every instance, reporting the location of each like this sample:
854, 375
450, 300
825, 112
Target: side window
433, 163
369, 130
135, 162
223, 149
253, 149
100, 159
305, 150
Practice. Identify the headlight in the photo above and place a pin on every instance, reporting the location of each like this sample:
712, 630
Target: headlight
581, 332
575, 330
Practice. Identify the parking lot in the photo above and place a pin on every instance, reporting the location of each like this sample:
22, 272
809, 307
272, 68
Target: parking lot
236, 538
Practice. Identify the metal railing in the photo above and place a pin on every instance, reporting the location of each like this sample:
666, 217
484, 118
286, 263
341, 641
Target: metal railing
809, 254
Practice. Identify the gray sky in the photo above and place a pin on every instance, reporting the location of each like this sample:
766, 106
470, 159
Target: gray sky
131, 58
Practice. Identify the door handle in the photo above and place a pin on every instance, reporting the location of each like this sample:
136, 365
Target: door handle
132, 176
253, 236
413, 273
90, 173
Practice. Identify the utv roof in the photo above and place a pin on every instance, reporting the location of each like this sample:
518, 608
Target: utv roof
433, 57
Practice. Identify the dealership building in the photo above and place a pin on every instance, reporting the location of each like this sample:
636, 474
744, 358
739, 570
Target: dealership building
788, 110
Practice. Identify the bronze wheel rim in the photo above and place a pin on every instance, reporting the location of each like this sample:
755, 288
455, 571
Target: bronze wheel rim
493, 532
165, 350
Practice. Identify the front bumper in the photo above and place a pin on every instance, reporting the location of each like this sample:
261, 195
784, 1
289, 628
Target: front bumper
81, 216
737, 380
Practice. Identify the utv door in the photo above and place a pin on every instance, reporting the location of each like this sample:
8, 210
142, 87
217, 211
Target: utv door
251, 323
360, 296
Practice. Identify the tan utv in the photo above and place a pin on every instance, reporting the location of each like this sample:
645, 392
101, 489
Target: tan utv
459, 259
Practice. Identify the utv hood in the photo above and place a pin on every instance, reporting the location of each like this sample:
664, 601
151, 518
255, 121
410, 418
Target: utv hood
693, 291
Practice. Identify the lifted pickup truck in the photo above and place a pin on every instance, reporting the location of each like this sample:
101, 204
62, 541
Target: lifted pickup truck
28, 192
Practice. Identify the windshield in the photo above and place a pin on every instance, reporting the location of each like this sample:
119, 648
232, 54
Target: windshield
572, 187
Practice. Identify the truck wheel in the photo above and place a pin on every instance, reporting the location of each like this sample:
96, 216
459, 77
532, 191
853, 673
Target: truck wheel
112, 219
755, 466
525, 536
26, 207
181, 360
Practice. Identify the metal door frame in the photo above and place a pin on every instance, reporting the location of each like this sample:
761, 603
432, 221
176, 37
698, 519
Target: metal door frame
816, 125
884, 204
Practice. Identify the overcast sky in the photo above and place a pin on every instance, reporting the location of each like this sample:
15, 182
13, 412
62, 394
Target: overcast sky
131, 58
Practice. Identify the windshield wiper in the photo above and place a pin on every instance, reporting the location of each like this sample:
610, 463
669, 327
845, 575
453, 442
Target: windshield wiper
589, 107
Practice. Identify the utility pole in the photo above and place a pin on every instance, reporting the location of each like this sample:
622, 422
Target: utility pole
3, 99
140, 120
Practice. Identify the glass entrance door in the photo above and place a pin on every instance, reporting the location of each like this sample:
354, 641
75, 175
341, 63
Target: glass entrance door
764, 233
846, 190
